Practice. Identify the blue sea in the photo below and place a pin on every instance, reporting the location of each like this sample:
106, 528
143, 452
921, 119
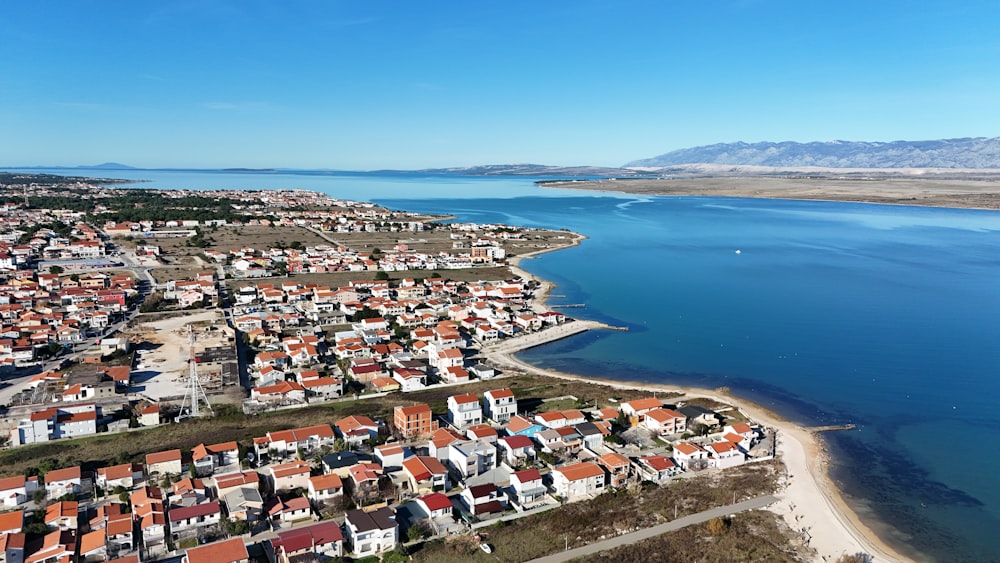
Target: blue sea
883, 316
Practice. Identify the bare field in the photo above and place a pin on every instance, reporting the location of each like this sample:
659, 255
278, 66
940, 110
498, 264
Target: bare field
260, 237
909, 190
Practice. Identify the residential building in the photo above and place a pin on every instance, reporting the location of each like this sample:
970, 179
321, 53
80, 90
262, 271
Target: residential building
578, 481
500, 405
314, 542
464, 410
371, 533
226, 551
414, 421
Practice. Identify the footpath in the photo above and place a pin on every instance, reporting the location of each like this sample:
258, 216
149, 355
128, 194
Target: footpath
673, 525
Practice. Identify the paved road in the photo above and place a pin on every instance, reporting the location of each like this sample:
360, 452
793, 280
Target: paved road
758, 502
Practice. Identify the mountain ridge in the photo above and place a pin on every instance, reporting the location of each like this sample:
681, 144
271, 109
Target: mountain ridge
966, 152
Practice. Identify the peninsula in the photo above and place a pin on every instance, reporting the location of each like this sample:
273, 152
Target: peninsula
976, 189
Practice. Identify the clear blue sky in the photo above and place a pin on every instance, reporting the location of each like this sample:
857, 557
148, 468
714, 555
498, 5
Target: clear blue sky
368, 84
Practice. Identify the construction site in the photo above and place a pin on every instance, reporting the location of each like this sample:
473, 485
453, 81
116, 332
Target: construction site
165, 349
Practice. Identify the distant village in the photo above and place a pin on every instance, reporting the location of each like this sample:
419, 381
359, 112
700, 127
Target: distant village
76, 306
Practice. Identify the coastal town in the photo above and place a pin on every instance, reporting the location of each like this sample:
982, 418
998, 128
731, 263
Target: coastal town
366, 355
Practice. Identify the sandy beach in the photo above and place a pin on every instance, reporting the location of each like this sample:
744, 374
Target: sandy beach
961, 190
810, 503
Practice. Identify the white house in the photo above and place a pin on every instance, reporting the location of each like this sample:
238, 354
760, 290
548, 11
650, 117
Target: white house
578, 481
500, 405
527, 486
464, 410
371, 533
690, 456
468, 459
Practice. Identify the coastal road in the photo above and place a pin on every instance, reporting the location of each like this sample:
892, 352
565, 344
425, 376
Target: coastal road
673, 525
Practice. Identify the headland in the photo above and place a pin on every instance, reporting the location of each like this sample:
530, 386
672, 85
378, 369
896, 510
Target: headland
971, 189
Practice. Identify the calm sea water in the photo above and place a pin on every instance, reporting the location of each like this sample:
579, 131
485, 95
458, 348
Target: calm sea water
883, 316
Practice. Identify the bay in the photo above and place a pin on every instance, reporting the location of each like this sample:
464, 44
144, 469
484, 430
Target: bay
884, 316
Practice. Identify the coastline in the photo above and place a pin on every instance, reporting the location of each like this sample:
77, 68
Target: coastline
910, 190
810, 501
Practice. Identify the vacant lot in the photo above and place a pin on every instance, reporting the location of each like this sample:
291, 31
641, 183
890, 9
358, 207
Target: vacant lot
617, 512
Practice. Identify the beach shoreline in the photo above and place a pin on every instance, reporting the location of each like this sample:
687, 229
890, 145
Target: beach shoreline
909, 190
810, 501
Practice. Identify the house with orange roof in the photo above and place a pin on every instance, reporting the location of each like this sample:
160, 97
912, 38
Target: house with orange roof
464, 410
149, 415
499, 405
16, 490
410, 379
323, 388
385, 384
229, 482
617, 467
741, 434
482, 433
288, 511
288, 442
59, 545
164, 463
365, 479
657, 467
356, 429
425, 474
11, 522
227, 551
288, 476
690, 456
124, 475
325, 488
63, 515
93, 546
391, 456
664, 421
521, 426
636, 410
413, 421
439, 441
578, 481
60, 482
725, 454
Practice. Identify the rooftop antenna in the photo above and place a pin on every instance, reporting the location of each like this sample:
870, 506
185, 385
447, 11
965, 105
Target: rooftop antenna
195, 392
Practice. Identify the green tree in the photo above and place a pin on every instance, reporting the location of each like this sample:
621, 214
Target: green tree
381, 275
56, 270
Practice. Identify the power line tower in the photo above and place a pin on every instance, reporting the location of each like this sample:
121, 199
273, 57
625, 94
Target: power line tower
195, 393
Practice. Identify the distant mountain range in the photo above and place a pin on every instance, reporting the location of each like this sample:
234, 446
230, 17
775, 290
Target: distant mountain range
979, 152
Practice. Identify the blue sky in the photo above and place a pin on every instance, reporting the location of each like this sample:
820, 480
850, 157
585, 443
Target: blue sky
374, 84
